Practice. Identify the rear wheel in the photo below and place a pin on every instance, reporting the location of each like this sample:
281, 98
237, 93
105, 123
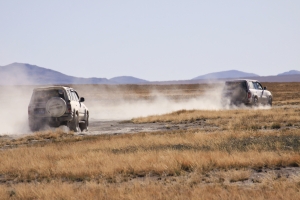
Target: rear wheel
74, 124
85, 126
255, 101
36, 125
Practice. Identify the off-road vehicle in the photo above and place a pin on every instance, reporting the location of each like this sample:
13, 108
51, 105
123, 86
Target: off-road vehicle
55, 106
248, 92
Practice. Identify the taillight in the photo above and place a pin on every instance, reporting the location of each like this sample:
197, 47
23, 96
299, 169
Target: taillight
68, 107
249, 95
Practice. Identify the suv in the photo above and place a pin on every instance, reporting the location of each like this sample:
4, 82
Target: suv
55, 106
248, 92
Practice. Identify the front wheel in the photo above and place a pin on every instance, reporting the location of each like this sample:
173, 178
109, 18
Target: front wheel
270, 101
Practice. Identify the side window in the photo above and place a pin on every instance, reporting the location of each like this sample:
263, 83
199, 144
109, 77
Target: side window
69, 95
75, 97
258, 86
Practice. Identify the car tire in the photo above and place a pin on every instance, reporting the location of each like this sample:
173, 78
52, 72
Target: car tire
74, 124
34, 127
56, 106
84, 126
255, 101
270, 101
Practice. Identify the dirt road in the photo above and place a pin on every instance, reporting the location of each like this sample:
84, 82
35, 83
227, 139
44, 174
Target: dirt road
98, 127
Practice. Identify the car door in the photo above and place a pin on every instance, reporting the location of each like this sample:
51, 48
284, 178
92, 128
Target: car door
81, 108
257, 91
74, 102
260, 93
264, 94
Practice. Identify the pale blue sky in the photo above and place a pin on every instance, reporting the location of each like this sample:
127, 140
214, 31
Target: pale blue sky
152, 40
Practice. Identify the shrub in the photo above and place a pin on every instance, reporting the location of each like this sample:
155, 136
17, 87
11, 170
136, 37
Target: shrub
275, 126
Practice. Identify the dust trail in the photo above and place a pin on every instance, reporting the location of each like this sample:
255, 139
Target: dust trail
13, 106
120, 108
159, 104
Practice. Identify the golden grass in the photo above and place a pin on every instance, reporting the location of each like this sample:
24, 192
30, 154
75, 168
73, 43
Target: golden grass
242, 119
143, 155
149, 190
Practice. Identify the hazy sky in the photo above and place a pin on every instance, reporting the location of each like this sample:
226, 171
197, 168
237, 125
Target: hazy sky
152, 40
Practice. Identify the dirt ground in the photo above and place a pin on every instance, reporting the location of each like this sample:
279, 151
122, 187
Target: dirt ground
98, 127
114, 127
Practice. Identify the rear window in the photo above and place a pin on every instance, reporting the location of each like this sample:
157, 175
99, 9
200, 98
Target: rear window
45, 95
236, 85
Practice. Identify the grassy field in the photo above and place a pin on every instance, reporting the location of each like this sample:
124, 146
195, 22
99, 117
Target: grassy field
233, 154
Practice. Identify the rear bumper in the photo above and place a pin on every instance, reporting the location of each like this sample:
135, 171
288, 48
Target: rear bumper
233, 101
64, 118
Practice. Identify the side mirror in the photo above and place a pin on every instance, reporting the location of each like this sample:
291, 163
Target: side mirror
81, 99
265, 88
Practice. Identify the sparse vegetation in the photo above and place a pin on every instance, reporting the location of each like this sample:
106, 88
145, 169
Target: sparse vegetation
275, 126
231, 154
240, 119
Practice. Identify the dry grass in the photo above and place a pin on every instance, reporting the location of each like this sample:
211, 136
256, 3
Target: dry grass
149, 190
242, 119
141, 155
193, 164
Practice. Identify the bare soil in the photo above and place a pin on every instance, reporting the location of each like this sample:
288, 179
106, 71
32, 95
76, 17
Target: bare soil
98, 127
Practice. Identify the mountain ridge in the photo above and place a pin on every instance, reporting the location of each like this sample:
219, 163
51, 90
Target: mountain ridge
127, 80
27, 74
23, 73
225, 74
291, 72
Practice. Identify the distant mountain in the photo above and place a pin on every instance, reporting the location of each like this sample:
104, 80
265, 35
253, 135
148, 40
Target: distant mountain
127, 80
26, 74
292, 72
226, 75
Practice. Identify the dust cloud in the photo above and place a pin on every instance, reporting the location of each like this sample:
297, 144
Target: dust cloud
14, 102
159, 104
121, 108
